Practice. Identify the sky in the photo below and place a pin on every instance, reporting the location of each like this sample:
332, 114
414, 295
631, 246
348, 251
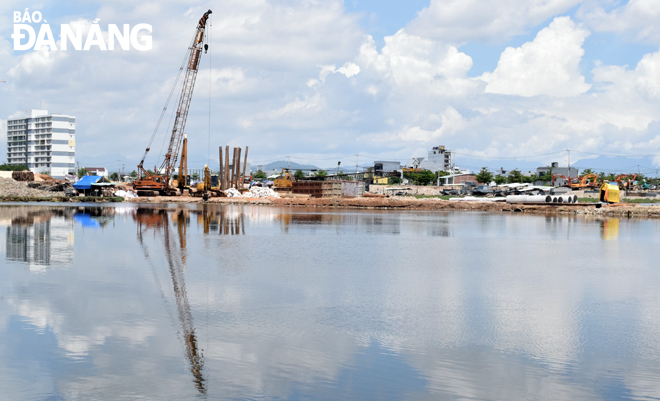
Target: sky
515, 81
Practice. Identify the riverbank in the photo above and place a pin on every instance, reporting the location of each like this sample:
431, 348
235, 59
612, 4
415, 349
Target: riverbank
428, 204
63, 199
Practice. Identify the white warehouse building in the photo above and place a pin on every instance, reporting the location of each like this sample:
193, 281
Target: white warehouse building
46, 143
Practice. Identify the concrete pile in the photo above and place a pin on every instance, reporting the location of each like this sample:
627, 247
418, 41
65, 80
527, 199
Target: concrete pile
559, 198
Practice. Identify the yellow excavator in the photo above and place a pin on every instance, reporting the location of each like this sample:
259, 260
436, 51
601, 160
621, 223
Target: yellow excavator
284, 183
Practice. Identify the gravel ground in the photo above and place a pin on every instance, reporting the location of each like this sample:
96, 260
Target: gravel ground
9, 187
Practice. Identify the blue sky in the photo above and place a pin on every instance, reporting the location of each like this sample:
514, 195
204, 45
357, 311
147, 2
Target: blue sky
327, 80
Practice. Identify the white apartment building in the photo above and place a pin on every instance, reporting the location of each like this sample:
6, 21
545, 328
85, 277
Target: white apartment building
440, 159
46, 143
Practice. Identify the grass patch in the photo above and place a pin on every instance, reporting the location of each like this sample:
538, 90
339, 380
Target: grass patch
640, 200
588, 200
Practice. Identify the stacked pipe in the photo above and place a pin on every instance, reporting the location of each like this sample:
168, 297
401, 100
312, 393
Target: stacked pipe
564, 198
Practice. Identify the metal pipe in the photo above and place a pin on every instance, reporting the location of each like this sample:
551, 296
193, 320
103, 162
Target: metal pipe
238, 170
227, 167
220, 172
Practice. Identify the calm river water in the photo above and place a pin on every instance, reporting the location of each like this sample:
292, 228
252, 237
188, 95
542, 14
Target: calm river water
247, 302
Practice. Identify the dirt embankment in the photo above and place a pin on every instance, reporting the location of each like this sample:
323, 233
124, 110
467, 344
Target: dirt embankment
621, 210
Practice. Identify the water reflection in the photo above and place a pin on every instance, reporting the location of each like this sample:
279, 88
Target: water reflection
242, 302
40, 238
610, 229
155, 219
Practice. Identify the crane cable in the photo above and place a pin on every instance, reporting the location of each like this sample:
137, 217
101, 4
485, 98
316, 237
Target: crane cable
176, 81
209, 38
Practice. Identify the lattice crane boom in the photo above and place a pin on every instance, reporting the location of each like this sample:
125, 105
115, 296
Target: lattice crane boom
161, 182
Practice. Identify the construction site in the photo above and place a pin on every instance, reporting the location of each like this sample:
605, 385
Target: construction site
231, 181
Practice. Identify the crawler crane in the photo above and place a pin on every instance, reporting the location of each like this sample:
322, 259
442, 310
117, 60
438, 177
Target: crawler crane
149, 183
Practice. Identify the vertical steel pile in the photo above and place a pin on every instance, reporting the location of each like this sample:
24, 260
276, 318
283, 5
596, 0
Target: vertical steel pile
230, 175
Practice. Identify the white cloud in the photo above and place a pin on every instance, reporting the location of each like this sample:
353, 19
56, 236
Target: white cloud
547, 66
638, 18
451, 121
459, 21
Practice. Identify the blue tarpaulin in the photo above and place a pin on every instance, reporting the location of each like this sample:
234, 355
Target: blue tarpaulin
86, 182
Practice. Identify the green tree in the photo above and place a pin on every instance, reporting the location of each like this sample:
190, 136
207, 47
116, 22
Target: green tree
114, 176
321, 173
587, 171
195, 176
259, 175
484, 176
133, 174
441, 174
515, 176
420, 177
393, 180
82, 172
299, 175
17, 167
500, 179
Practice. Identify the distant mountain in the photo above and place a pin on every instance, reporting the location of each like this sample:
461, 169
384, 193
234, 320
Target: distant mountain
605, 164
619, 164
280, 164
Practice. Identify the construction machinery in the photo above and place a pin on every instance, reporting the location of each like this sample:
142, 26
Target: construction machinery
284, 182
566, 181
582, 182
158, 182
626, 181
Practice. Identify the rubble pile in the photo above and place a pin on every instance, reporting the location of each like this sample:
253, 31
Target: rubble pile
51, 185
255, 192
12, 188
126, 194
22, 175
232, 193
261, 192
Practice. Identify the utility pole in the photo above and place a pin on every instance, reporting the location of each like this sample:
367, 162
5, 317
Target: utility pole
356, 164
288, 158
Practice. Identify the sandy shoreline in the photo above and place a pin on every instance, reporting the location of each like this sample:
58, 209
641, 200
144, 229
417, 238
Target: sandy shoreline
620, 210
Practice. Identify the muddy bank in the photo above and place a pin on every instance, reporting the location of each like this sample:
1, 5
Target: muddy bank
621, 210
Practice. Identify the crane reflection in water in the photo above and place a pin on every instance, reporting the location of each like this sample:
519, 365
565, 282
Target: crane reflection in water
212, 219
148, 218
